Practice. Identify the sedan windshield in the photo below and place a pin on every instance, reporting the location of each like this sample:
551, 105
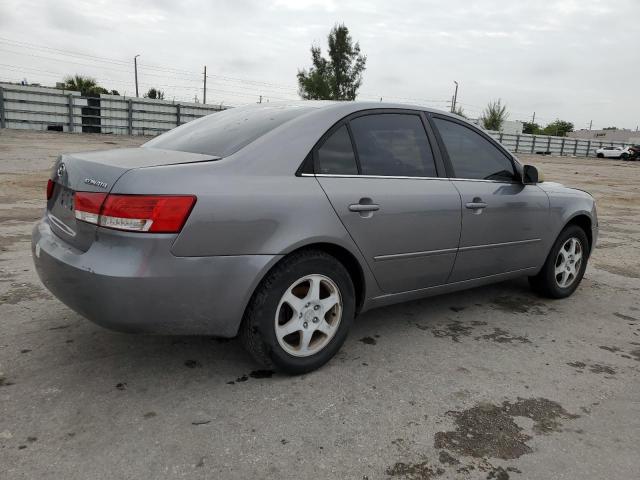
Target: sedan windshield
224, 133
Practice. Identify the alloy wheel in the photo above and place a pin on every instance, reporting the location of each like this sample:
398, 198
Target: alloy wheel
568, 262
308, 315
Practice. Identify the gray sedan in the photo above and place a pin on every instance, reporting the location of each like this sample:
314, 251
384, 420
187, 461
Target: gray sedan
281, 223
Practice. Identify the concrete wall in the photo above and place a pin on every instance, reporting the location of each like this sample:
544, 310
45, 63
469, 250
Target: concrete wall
42, 108
39, 108
525, 143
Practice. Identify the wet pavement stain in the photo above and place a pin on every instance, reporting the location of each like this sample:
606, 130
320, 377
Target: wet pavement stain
626, 317
368, 340
448, 459
518, 304
610, 349
192, 364
261, 374
414, 471
502, 336
578, 365
453, 330
4, 382
635, 354
488, 430
500, 473
150, 415
597, 368
593, 368
201, 422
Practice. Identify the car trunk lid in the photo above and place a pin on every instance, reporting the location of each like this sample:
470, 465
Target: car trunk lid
98, 172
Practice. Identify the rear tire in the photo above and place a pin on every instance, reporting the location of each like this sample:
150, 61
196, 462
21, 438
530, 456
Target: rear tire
624, 156
600, 155
565, 266
291, 326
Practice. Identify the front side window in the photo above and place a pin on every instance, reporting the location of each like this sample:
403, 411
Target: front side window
473, 156
393, 144
336, 156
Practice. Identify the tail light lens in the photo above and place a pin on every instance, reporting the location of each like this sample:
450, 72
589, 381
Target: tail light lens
50, 185
135, 213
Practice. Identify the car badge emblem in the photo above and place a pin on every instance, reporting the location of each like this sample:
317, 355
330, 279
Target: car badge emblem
96, 183
61, 169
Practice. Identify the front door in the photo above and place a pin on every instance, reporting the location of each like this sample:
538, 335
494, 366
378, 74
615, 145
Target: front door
382, 182
502, 219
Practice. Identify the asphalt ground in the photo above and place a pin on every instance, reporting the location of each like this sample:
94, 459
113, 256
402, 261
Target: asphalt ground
493, 382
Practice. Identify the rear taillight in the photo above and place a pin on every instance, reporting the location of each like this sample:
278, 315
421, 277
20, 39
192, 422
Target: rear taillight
135, 213
50, 185
86, 206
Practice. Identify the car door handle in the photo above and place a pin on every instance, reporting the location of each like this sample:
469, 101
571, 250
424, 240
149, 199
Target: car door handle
364, 207
476, 205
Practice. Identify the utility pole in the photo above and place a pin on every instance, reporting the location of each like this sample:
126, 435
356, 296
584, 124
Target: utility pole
455, 98
533, 119
204, 94
260, 100
590, 124
135, 67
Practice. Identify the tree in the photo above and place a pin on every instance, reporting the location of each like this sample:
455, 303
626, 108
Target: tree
494, 115
559, 128
87, 86
610, 128
335, 78
531, 128
460, 112
155, 94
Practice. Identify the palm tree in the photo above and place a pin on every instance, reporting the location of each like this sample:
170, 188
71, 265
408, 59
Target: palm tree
154, 93
494, 115
87, 86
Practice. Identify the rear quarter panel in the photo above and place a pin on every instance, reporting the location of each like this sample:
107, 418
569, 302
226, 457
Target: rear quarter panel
240, 214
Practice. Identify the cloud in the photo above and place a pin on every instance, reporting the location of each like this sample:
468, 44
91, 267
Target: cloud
554, 57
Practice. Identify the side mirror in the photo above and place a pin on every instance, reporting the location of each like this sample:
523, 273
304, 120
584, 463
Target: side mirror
531, 175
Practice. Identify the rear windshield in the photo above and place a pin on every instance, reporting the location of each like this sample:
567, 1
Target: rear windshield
224, 133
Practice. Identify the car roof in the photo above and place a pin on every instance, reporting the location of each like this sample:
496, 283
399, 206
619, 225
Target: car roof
346, 107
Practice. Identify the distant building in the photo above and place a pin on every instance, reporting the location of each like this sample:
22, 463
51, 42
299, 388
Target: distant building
621, 135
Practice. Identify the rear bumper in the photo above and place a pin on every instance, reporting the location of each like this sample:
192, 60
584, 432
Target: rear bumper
131, 282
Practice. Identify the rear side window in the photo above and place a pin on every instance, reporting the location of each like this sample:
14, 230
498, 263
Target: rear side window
393, 144
224, 133
473, 156
336, 156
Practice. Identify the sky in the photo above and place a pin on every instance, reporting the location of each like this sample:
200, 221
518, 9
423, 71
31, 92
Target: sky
576, 60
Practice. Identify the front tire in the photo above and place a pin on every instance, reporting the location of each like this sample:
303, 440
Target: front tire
624, 156
565, 266
600, 155
300, 314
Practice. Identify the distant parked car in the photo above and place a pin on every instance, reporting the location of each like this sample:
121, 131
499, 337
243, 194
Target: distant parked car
613, 152
281, 222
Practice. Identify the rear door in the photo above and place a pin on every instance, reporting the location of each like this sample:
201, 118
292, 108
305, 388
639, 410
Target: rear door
503, 220
379, 172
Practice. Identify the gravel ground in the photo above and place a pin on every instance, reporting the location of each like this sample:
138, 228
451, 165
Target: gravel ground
489, 383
